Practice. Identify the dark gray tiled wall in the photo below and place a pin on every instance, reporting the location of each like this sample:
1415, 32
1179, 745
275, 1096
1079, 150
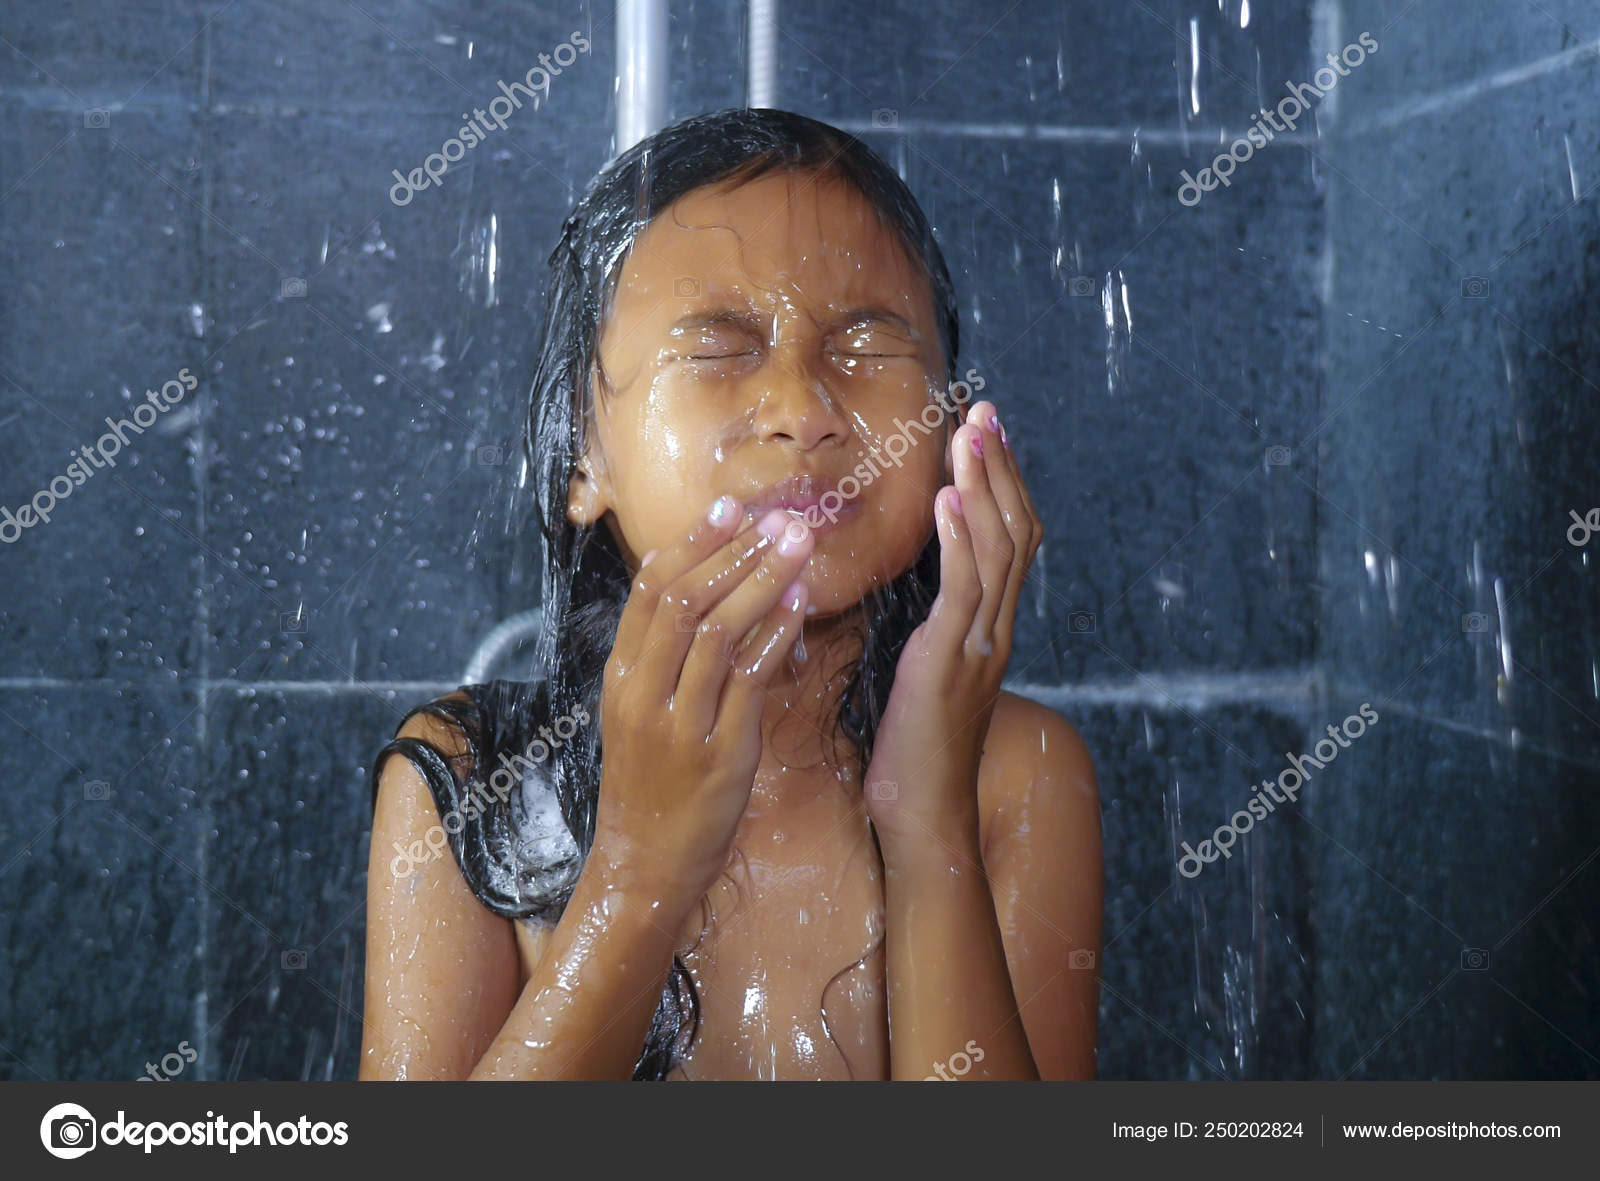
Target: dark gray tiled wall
105, 862
1456, 886
1202, 551
338, 467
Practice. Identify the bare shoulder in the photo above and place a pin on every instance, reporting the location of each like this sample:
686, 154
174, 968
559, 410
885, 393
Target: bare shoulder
1032, 749
442, 969
1039, 818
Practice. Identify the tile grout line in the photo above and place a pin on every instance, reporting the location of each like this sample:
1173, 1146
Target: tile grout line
202, 1013
1462, 93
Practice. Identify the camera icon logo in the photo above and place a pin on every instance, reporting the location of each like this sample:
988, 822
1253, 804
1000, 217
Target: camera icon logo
1278, 456
1081, 623
294, 960
686, 288
1474, 959
67, 1131
96, 117
884, 789
1475, 621
491, 455
885, 117
1475, 287
292, 289
1083, 285
1081, 960
96, 789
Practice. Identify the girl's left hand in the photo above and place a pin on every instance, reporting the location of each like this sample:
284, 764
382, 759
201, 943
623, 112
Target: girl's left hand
921, 785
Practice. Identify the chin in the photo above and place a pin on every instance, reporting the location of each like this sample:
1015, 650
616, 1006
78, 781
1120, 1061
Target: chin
834, 592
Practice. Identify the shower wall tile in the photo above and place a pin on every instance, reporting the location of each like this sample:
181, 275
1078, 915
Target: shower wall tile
1461, 308
1179, 515
1419, 976
290, 805
1186, 959
1429, 47
406, 60
371, 362
102, 269
1040, 62
1454, 889
102, 939
81, 54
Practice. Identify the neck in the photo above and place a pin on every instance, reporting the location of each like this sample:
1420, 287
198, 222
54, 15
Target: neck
798, 723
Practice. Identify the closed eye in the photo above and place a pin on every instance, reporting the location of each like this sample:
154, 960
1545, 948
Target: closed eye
872, 341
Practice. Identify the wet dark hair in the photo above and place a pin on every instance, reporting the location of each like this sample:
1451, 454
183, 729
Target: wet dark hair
585, 581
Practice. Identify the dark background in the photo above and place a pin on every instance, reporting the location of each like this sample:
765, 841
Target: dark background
1332, 462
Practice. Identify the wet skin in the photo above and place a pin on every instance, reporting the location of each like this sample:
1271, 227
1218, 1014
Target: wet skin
761, 331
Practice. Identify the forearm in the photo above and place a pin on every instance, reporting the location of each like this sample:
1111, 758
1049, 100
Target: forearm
947, 975
586, 1010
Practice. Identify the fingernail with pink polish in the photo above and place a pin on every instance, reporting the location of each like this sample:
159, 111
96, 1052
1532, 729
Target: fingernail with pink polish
771, 525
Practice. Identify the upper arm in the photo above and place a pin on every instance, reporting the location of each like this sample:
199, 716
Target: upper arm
442, 969
1042, 855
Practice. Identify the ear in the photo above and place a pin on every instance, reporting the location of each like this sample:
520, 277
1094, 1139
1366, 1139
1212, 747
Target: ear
588, 494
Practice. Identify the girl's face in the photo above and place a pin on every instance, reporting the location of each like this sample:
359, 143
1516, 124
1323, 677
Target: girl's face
761, 333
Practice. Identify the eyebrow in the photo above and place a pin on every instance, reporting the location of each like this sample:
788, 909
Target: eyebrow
848, 318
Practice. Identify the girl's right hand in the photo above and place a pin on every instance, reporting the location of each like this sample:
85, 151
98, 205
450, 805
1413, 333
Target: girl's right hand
707, 625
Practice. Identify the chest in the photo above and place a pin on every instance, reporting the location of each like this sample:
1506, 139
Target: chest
786, 949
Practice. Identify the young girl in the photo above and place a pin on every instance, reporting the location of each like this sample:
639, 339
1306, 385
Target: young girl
767, 813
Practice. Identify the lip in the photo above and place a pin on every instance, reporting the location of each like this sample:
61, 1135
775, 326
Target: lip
800, 494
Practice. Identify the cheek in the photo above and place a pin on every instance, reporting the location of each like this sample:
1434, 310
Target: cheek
900, 421
666, 450
907, 451
896, 524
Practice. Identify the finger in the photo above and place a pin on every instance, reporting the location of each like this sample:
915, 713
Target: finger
745, 697
662, 569
958, 417
1005, 481
992, 545
1027, 532
960, 590
721, 632
1016, 467
683, 604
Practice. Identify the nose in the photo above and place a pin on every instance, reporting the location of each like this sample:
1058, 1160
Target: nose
796, 407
